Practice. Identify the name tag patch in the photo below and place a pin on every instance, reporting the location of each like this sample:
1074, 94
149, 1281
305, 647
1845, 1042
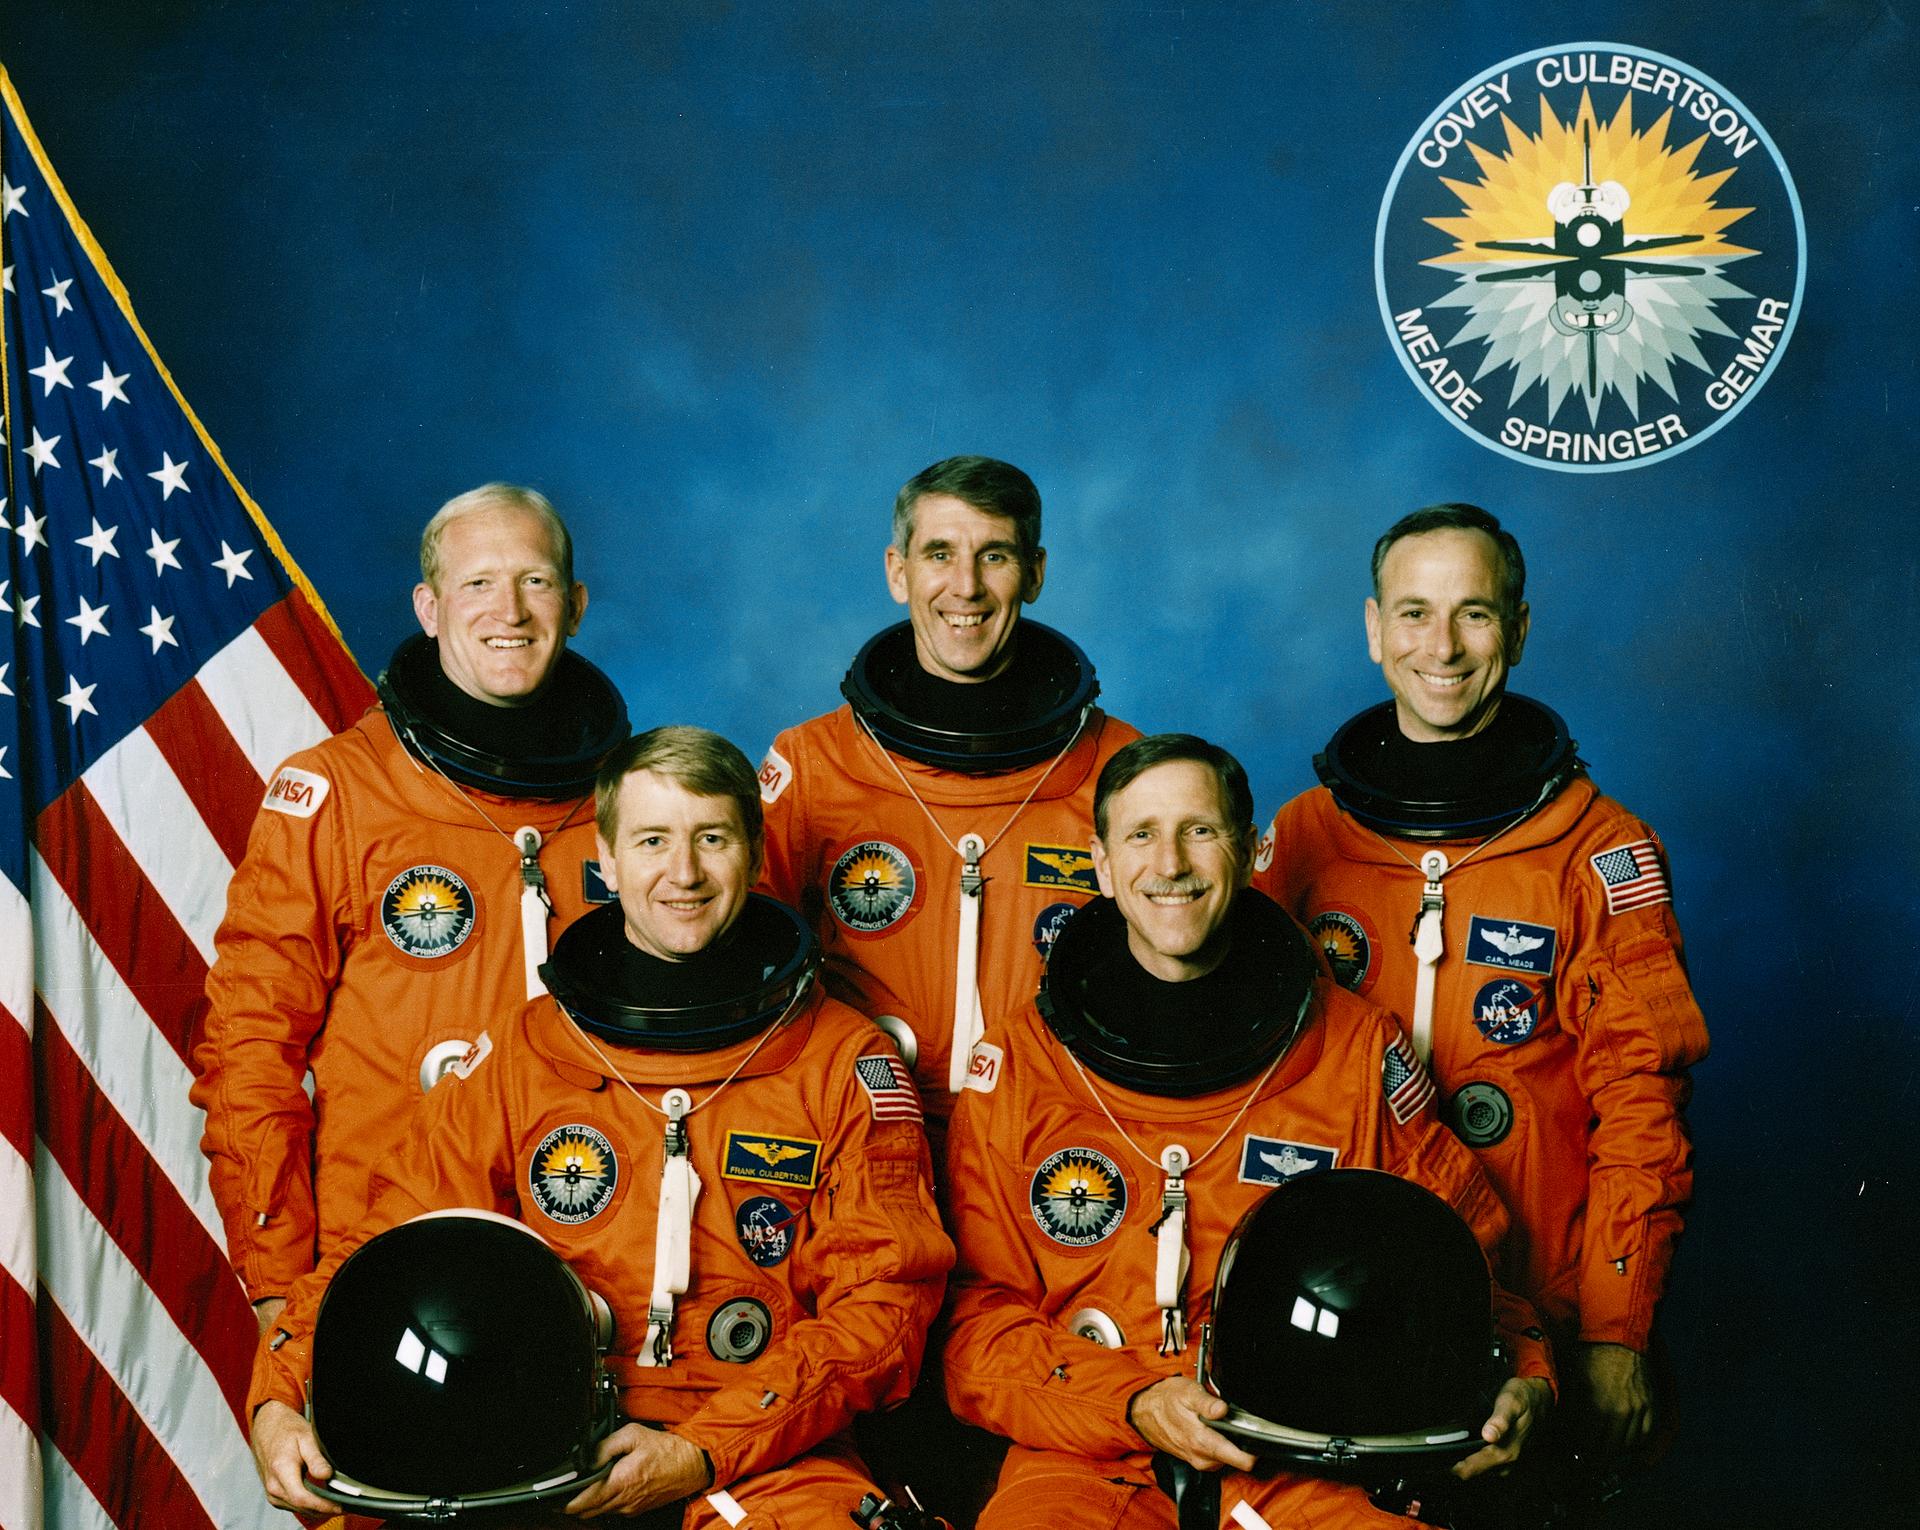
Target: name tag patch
772, 1160
1511, 944
1061, 866
1274, 1160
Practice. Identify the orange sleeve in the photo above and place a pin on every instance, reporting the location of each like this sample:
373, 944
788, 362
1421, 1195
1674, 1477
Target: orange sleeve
1638, 1033
291, 910
457, 1153
787, 873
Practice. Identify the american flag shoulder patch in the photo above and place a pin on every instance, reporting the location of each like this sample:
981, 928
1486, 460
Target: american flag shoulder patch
1404, 1080
889, 1087
1632, 875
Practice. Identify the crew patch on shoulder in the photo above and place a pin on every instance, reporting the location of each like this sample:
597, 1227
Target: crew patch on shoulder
984, 1063
427, 911
572, 1173
1507, 1011
1275, 1160
1404, 1080
889, 1087
871, 887
1347, 940
1511, 944
776, 775
297, 793
772, 1160
765, 1229
1079, 1197
1060, 866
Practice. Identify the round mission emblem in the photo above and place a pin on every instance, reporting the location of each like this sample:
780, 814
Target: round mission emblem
572, 1174
1589, 257
871, 888
427, 911
1348, 947
1078, 1197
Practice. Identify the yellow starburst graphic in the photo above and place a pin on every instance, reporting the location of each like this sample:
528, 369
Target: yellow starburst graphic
1510, 201
573, 1158
427, 896
870, 871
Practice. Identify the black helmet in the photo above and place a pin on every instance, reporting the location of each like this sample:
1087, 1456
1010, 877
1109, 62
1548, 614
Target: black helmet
1353, 1328
1178, 1038
735, 988
596, 710
871, 683
1547, 761
456, 1366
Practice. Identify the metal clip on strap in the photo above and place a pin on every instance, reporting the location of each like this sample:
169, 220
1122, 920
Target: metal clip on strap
535, 907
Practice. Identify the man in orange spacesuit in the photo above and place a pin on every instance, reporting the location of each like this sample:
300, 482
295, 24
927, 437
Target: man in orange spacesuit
732, 1159
399, 885
934, 828
1542, 982
1185, 1054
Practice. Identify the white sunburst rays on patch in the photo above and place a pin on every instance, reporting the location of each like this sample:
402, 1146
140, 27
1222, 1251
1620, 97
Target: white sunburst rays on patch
1665, 315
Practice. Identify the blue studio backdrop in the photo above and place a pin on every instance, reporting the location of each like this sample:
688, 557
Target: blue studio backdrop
1238, 285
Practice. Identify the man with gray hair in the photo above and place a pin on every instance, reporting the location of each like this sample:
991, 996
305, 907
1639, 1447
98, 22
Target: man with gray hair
399, 885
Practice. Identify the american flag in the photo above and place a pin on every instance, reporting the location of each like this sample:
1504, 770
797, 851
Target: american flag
1632, 875
159, 655
1404, 1080
890, 1086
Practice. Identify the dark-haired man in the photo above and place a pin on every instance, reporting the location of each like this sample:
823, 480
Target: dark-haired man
934, 828
399, 884
1543, 982
732, 1159
1185, 1055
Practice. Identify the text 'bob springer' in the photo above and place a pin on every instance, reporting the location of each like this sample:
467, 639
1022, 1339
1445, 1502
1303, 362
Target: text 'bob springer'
1589, 257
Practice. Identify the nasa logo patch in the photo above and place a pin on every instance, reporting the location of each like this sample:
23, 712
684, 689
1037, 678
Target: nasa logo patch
297, 793
775, 775
1507, 1011
1263, 851
1078, 1197
1348, 943
427, 911
1589, 257
1061, 866
1048, 924
572, 1173
1481, 1115
772, 1160
871, 887
765, 1229
1274, 1160
1510, 944
984, 1063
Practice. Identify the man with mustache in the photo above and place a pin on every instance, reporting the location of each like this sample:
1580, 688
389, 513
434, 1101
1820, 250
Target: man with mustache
1184, 1047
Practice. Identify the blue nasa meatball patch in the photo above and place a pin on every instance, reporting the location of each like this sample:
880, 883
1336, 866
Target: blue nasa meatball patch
765, 1227
1047, 927
1507, 1012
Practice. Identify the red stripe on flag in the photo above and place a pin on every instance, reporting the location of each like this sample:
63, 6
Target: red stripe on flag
16, 1098
89, 1420
145, 1215
213, 769
134, 927
19, 1385
314, 657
